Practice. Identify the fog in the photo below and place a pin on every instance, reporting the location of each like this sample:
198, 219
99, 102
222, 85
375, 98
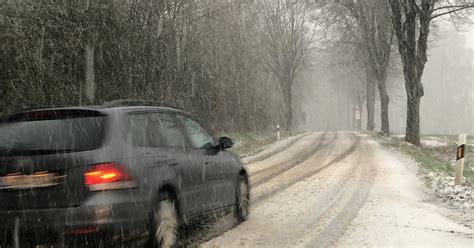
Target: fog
327, 91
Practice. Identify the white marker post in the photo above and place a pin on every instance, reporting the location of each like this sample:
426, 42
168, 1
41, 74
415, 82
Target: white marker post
460, 159
278, 131
357, 118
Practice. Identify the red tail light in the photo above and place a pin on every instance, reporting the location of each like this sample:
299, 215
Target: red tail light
114, 175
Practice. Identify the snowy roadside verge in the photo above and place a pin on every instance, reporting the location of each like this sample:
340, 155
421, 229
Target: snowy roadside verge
442, 185
435, 161
252, 145
269, 150
248, 142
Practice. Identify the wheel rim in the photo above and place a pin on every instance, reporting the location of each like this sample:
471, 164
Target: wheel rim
166, 224
243, 200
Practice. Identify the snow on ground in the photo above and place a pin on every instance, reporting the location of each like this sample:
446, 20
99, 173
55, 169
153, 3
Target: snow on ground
470, 142
433, 143
368, 197
400, 136
287, 218
399, 212
459, 196
269, 149
428, 141
441, 183
283, 156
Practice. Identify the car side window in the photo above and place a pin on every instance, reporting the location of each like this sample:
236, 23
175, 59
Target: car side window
197, 135
170, 131
144, 130
154, 130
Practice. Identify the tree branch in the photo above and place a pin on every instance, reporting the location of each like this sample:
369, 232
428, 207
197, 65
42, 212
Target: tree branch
452, 11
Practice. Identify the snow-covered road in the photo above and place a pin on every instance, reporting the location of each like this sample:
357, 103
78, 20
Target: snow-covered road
339, 189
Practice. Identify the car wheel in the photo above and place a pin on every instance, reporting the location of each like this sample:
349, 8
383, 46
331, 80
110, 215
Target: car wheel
165, 224
242, 199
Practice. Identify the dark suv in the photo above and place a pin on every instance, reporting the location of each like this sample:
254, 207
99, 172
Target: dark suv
112, 171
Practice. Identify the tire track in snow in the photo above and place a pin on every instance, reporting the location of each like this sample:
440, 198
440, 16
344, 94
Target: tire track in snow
208, 230
282, 187
284, 166
335, 192
286, 156
276, 151
337, 225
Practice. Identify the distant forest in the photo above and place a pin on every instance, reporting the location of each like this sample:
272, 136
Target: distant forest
206, 57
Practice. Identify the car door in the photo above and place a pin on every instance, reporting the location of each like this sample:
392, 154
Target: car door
159, 147
225, 175
214, 182
187, 168
148, 150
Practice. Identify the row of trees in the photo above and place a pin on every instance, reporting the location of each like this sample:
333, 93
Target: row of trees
376, 28
232, 62
221, 60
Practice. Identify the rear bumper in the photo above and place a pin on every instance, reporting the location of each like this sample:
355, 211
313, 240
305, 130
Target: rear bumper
112, 213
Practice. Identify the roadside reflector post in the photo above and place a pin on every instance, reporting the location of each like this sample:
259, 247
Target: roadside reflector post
357, 118
278, 131
460, 159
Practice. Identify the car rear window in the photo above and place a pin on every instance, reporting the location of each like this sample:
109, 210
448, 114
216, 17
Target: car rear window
51, 131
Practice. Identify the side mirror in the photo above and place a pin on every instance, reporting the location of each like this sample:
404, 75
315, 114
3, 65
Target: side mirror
225, 142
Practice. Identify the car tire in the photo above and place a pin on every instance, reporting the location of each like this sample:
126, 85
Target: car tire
164, 224
242, 199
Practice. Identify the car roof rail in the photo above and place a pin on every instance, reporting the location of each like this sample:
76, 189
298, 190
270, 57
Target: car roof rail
30, 108
136, 102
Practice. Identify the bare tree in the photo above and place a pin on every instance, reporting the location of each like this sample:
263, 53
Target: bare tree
370, 94
286, 35
375, 35
411, 21
366, 25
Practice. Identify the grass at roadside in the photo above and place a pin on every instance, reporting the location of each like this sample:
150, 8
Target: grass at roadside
250, 141
438, 157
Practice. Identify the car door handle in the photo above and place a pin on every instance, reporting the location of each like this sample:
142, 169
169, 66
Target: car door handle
173, 164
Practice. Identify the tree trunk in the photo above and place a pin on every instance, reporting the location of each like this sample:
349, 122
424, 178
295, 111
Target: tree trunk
384, 101
360, 105
351, 118
286, 82
289, 106
415, 92
90, 75
413, 55
370, 102
413, 121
